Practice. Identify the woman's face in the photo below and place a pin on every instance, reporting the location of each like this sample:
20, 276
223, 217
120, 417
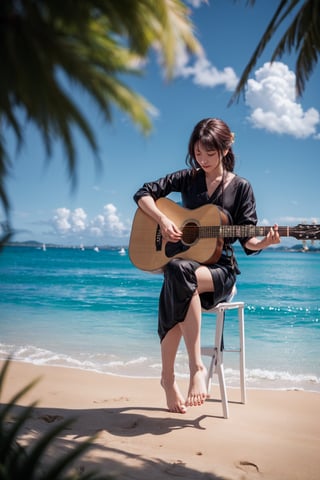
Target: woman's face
208, 160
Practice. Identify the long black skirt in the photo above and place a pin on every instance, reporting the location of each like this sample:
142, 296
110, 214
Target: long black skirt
179, 285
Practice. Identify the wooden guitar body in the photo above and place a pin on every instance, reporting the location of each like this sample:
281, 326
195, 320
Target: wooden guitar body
149, 251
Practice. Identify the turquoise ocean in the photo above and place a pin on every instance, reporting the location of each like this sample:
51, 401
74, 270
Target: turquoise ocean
94, 310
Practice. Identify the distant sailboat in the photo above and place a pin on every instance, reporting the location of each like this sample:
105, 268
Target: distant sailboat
44, 248
96, 249
122, 251
81, 247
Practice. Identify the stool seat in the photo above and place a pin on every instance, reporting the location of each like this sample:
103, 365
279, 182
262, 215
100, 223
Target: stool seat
215, 351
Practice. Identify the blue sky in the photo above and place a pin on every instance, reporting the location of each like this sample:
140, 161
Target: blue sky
277, 138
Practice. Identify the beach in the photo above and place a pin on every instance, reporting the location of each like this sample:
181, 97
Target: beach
274, 436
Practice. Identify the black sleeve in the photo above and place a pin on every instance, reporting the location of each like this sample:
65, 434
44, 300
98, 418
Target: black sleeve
245, 211
173, 182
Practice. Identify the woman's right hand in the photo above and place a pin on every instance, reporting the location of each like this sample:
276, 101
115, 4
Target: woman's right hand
170, 232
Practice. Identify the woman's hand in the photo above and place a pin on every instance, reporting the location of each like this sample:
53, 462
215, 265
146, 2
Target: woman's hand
170, 232
273, 236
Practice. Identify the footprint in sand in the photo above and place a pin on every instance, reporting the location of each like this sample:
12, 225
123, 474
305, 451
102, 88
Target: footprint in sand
117, 399
50, 418
248, 467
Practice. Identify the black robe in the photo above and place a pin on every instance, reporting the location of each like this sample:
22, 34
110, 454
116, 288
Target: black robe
238, 203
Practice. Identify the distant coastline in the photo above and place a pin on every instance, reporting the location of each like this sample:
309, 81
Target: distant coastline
39, 245
298, 248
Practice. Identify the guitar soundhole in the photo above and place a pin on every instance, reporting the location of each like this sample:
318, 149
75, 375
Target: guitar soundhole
190, 233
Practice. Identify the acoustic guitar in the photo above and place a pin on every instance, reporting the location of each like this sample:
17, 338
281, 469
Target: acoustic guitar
203, 232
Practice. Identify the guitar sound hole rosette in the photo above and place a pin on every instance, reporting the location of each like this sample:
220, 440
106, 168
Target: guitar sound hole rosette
190, 233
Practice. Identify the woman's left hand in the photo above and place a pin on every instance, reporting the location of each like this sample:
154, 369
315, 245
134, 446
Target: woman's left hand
273, 236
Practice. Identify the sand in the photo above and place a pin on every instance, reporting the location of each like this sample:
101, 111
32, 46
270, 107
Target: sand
275, 435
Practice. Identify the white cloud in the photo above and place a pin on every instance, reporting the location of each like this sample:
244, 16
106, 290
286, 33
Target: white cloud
65, 221
196, 3
272, 100
112, 220
75, 224
203, 73
60, 220
78, 219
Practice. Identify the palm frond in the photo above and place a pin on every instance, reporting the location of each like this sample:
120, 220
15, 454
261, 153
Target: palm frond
55, 470
8, 436
302, 36
3, 373
48, 46
18, 462
6, 231
271, 28
5, 165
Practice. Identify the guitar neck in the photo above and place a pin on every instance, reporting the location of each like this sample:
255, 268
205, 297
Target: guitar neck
239, 231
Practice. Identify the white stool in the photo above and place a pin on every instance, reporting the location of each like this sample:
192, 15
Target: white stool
216, 352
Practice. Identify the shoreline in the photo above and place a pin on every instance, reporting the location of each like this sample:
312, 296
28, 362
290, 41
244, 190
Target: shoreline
257, 379
274, 436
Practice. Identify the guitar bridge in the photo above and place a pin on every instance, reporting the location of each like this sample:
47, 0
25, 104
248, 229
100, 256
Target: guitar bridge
158, 239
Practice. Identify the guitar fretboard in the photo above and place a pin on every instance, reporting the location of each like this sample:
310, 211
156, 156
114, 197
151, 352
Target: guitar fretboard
239, 231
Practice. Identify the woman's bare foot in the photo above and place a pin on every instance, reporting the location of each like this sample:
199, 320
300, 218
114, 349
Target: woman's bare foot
197, 394
175, 400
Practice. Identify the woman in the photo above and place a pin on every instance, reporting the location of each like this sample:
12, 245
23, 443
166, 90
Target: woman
189, 286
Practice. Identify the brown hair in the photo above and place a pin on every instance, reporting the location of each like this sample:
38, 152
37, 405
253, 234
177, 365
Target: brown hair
214, 134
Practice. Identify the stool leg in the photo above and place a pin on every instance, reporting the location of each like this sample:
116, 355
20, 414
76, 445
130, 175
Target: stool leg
242, 354
223, 390
219, 362
210, 373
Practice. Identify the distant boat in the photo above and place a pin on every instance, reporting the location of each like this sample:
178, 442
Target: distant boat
44, 248
96, 249
122, 251
81, 247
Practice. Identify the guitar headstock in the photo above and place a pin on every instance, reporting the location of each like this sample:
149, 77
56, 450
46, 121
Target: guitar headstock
306, 232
